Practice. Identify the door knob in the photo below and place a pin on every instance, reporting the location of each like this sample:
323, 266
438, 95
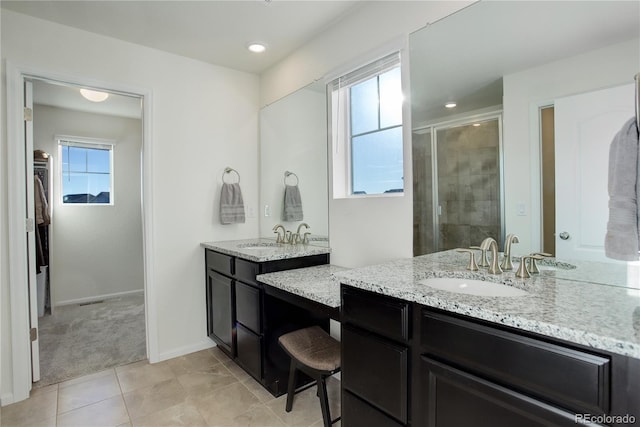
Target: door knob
564, 235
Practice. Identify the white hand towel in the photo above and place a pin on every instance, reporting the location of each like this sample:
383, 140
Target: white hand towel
231, 204
622, 240
292, 209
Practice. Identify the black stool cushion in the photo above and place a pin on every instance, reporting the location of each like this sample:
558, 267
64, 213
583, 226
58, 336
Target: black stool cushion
312, 347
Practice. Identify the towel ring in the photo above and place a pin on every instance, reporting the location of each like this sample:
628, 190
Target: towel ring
287, 174
228, 170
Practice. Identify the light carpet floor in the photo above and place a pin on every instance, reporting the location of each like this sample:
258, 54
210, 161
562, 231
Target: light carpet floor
81, 339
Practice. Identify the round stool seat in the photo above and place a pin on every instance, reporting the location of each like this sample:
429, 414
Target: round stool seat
312, 347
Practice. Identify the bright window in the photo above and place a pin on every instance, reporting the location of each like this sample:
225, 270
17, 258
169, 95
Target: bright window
86, 172
367, 129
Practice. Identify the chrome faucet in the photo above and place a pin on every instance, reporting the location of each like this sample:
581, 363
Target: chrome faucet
490, 244
281, 237
305, 238
507, 265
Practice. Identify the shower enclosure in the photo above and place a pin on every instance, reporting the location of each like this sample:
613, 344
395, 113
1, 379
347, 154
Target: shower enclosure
457, 184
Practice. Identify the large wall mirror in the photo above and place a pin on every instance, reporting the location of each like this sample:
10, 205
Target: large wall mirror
479, 168
293, 138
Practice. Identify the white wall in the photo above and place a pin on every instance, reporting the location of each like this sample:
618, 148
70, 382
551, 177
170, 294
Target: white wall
365, 230
524, 93
95, 251
204, 118
293, 137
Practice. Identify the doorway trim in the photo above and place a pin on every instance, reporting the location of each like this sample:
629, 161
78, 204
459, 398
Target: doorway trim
17, 214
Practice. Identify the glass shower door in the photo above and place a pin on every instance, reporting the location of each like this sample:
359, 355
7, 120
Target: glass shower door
467, 193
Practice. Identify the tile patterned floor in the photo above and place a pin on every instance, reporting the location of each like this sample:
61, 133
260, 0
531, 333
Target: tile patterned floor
200, 389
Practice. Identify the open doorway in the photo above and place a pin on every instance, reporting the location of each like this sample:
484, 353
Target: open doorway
89, 245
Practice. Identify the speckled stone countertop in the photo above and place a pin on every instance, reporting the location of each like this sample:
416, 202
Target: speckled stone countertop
602, 316
315, 283
262, 249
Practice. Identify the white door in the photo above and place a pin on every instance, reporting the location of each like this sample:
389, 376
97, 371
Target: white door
31, 237
585, 124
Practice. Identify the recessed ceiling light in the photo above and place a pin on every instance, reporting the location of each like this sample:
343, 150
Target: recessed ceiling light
476, 124
450, 105
93, 95
257, 47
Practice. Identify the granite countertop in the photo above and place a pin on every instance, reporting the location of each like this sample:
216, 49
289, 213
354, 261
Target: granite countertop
263, 249
564, 304
314, 283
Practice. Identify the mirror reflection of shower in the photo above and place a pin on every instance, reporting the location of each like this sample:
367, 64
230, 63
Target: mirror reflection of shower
457, 188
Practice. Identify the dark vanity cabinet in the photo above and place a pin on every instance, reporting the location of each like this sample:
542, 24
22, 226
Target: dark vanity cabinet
246, 323
407, 364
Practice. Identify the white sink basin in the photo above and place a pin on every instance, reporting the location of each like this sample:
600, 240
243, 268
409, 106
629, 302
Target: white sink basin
473, 287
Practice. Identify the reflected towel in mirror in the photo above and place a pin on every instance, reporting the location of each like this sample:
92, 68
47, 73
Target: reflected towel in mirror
622, 240
231, 204
292, 209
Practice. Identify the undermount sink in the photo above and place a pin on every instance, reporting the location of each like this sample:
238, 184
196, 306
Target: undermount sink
473, 287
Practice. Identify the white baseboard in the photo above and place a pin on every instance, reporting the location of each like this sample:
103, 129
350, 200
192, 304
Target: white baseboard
181, 351
97, 298
6, 399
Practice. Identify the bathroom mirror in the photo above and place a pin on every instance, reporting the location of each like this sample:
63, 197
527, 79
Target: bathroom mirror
293, 138
505, 60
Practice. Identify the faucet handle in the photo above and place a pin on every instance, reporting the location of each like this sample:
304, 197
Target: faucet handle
523, 272
472, 266
483, 256
305, 238
533, 267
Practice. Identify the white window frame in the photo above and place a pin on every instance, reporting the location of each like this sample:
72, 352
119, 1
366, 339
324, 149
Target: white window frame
85, 142
340, 122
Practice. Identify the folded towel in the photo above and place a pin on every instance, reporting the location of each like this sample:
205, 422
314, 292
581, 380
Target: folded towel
231, 204
622, 240
292, 209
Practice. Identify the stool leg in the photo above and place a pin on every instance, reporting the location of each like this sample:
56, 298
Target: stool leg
324, 401
291, 389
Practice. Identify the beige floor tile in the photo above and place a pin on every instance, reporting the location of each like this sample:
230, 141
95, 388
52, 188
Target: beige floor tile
40, 390
127, 424
197, 361
236, 370
93, 390
38, 408
145, 401
225, 403
184, 414
201, 382
259, 416
258, 390
219, 354
109, 412
306, 406
106, 373
143, 374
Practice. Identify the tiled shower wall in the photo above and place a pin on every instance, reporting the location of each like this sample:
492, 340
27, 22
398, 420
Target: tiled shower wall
468, 187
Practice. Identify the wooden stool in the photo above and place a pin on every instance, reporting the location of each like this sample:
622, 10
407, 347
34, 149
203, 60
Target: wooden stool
316, 354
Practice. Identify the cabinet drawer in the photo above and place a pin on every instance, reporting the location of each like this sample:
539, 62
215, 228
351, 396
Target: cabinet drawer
220, 262
247, 271
375, 370
383, 315
573, 379
356, 413
249, 351
248, 306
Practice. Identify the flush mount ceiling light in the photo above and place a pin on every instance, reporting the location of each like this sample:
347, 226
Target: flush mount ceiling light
450, 105
257, 47
93, 95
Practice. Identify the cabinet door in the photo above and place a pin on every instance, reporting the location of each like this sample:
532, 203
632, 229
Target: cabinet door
249, 351
453, 398
248, 306
220, 310
376, 370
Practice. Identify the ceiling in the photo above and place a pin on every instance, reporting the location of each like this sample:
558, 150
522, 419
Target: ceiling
463, 57
216, 32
